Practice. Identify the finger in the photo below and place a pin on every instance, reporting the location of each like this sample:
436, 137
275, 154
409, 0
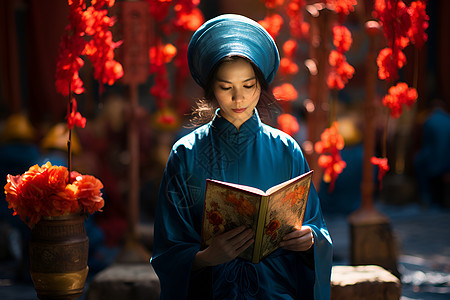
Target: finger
298, 233
241, 238
244, 246
233, 232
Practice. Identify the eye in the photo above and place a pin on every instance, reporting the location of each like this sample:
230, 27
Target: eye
225, 88
249, 86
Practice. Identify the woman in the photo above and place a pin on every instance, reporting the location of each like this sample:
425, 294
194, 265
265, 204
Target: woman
234, 59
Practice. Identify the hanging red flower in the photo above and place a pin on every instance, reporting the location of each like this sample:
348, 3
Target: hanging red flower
272, 24
329, 146
383, 167
395, 19
74, 118
342, 38
344, 7
341, 71
419, 23
285, 92
389, 64
398, 96
288, 123
273, 3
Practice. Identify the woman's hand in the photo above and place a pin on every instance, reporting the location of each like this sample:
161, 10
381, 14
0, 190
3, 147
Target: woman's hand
298, 240
224, 247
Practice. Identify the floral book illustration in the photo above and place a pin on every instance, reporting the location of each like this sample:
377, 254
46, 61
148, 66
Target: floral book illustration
270, 214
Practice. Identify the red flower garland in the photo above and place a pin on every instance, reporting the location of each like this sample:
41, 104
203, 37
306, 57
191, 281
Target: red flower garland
398, 96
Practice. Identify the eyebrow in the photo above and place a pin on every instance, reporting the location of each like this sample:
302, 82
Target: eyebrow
222, 80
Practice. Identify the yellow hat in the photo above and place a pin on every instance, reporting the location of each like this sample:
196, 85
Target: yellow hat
17, 128
57, 138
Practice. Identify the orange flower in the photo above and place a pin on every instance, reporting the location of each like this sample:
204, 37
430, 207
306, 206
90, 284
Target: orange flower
343, 6
45, 191
242, 205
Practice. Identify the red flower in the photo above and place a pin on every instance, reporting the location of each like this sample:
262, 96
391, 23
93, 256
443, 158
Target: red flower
344, 7
341, 71
290, 48
383, 167
395, 19
74, 118
389, 64
189, 20
331, 143
273, 3
285, 92
398, 96
330, 140
342, 38
45, 191
88, 191
419, 23
288, 123
288, 66
272, 24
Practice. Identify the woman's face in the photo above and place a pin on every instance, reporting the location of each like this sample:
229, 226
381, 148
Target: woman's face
236, 90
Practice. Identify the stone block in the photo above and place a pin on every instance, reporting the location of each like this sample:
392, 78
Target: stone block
368, 282
125, 281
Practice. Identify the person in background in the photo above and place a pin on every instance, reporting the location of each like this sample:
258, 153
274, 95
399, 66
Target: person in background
234, 60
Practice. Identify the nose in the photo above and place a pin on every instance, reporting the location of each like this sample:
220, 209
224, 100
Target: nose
238, 95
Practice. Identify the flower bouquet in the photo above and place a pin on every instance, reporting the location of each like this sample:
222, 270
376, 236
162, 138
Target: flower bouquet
49, 191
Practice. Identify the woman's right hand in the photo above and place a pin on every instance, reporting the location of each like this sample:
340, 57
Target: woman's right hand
224, 247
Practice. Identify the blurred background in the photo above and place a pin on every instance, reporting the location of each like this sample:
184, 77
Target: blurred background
153, 101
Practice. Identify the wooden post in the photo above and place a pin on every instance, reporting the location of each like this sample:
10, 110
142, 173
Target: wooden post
133, 54
372, 242
321, 19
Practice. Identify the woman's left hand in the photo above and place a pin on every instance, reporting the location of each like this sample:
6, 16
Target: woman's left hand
299, 239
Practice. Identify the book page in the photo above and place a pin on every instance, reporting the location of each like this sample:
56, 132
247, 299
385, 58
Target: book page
227, 208
239, 187
286, 209
283, 184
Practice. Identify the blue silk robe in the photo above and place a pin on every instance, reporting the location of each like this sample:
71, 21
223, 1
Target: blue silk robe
255, 155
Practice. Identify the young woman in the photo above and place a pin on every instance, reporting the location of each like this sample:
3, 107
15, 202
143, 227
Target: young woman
234, 59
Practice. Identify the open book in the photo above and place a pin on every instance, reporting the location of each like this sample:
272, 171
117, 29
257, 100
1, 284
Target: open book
271, 214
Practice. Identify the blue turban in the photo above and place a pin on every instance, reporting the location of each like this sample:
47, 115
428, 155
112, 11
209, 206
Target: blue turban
231, 35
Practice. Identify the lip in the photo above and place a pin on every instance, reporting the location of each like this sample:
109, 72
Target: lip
239, 110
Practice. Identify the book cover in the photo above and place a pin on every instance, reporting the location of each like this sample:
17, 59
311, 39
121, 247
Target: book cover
270, 214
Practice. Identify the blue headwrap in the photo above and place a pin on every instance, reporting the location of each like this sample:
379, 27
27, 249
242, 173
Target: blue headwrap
229, 35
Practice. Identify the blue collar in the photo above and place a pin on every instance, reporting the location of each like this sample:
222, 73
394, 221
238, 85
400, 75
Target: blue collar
248, 128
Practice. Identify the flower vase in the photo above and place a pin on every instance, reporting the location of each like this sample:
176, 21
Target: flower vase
58, 256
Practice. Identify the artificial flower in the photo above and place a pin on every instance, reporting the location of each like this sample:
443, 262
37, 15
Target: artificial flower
273, 3
288, 66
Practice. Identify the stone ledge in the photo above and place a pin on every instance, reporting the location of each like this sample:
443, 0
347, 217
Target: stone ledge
364, 282
125, 281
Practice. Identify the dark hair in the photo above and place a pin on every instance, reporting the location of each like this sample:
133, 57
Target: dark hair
204, 109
